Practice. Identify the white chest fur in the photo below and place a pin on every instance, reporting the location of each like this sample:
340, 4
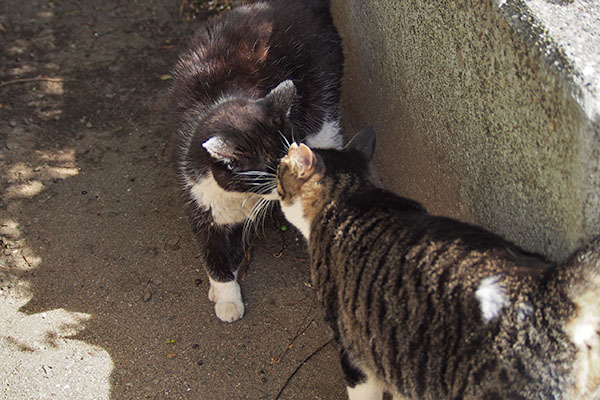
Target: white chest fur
225, 207
295, 214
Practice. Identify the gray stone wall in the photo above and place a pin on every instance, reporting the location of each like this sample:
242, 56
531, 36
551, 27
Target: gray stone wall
479, 115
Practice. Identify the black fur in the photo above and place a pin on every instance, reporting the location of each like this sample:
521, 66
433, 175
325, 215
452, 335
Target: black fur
231, 85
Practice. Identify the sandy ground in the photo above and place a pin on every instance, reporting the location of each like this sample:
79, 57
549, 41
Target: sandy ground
101, 292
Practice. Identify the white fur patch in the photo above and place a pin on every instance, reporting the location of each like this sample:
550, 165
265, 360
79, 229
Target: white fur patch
295, 214
369, 390
228, 298
225, 207
491, 297
215, 146
327, 138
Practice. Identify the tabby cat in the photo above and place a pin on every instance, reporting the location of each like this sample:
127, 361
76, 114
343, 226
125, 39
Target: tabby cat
427, 307
253, 79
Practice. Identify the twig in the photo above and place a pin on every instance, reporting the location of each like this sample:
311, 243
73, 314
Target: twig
300, 366
280, 254
36, 79
299, 332
181, 7
27, 262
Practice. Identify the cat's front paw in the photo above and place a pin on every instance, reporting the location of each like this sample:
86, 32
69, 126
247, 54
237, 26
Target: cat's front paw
228, 297
229, 311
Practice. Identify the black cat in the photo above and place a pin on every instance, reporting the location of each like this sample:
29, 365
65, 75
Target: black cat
253, 80
429, 308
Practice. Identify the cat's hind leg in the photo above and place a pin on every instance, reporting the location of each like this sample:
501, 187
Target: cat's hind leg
360, 384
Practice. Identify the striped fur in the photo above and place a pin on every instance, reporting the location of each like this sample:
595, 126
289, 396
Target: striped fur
438, 309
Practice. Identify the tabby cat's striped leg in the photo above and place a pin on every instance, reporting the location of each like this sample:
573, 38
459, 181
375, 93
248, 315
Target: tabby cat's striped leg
360, 385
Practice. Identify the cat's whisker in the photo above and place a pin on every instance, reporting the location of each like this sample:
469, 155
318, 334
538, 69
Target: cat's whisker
256, 217
286, 142
255, 173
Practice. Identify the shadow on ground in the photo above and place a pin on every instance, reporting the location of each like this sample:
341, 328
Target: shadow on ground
101, 293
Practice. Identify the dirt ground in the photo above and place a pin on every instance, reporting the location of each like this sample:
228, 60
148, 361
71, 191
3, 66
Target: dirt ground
101, 292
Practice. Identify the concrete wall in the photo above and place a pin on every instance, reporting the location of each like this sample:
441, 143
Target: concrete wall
479, 114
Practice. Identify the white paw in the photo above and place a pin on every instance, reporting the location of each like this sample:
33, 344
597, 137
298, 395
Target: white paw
228, 297
229, 311
371, 389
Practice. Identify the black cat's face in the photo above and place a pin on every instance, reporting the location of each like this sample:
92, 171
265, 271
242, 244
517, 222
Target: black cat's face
247, 138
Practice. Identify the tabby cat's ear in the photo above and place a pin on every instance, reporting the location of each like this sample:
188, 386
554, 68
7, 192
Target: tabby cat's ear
363, 142
219, 149
305, 160
280, 99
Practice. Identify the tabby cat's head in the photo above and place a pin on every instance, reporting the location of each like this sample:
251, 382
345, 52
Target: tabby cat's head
307, 179
245, 138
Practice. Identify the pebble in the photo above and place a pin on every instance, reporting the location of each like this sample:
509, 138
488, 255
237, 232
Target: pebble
89, 125
13, 123
173, 243
147, 295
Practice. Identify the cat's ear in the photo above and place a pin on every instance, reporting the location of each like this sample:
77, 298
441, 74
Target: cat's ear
280, 99
305, 160
219, 149
363, 142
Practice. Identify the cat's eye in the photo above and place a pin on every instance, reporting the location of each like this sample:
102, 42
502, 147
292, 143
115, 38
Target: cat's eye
230, 165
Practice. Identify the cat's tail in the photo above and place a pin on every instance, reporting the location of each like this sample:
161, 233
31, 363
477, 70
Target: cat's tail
574, 290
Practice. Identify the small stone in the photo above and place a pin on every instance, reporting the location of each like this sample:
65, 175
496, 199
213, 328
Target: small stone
171, 356
147, 295
173, 243
13, 123
89, 125
158, 281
